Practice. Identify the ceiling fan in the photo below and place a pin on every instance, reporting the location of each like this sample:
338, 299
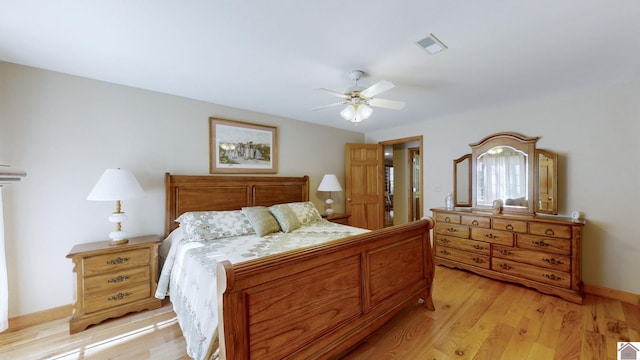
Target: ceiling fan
360, 100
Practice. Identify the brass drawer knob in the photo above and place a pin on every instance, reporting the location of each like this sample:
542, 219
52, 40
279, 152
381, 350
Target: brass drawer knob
120, 296
477, 260
505, 266
452, 230
549, 232
552, 277
118, 279
506, 252
540, 243
475, 223
509, 227
119, 260
553, 261
478, 247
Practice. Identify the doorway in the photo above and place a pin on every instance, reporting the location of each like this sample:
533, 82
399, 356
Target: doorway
402, 180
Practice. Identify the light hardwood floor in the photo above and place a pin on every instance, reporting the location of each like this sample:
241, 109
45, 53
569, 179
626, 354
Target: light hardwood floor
475, 318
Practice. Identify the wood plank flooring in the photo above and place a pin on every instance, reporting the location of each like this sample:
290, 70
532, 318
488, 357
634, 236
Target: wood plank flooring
475, 318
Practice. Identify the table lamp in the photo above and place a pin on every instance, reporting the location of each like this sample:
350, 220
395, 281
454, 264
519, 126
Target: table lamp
116, 185
328, 184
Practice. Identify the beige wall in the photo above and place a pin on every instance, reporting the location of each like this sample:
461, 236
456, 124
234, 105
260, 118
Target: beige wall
596, 133
65, 131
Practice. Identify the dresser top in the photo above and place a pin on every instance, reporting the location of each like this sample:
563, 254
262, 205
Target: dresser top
533, 217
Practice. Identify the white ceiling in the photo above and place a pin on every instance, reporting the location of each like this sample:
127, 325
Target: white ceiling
272, 56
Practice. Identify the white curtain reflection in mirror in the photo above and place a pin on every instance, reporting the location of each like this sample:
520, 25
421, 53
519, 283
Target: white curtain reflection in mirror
502, 174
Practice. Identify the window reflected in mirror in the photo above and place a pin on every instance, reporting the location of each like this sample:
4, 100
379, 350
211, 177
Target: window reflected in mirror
502, 174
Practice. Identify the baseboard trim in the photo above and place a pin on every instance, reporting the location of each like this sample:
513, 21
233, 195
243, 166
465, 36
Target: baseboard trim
23, 321
625, 297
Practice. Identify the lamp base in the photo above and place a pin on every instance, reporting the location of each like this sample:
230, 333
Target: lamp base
118, 242
118, 237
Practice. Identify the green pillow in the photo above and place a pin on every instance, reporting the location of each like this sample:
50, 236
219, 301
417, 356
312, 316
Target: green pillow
287, 219
261, 219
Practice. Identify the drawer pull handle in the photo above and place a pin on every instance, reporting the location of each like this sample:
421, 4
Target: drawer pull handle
452, 230
118, 260
540, 243
553, 261
491, 236
552, 277
119, 297
445, 252
478, 247
447, 219
118, 279
509, 227
549, 232
506, 252
506, 266
445, 240
477, 260
475, 223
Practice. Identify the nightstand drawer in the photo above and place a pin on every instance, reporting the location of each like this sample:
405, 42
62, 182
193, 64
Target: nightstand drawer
100, 264
109, 299
116, 280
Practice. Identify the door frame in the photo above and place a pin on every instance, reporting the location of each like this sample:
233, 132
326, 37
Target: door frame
419, 139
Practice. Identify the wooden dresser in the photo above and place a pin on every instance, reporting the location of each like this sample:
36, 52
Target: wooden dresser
114, 280
542, 252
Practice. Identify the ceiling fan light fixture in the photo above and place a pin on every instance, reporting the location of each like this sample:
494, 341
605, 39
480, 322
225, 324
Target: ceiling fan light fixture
356, 112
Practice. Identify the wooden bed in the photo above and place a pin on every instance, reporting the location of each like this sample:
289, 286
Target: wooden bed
315, 302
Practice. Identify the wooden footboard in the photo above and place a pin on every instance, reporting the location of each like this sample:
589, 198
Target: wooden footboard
319, 302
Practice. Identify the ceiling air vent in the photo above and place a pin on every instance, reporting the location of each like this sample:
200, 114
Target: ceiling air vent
431, 44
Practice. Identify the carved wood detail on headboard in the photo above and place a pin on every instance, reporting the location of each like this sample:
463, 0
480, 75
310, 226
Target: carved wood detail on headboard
210, 192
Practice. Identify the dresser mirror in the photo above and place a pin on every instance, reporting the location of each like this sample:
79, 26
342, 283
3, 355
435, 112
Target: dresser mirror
462, 181
547, 185
507, 167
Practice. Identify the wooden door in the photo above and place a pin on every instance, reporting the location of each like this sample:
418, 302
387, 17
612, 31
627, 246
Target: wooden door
364, 185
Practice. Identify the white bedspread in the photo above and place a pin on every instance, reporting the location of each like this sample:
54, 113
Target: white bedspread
188, 274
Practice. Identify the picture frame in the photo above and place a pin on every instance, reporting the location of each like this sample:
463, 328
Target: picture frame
237, 147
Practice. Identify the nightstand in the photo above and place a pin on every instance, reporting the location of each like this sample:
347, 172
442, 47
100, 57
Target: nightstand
113, 280
338, 218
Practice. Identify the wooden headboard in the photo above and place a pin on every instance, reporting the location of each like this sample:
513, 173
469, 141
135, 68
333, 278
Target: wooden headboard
210, 192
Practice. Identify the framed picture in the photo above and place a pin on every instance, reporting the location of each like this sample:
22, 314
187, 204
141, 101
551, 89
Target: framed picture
237, 147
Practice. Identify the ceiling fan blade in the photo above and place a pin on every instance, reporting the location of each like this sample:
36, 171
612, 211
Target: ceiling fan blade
389, 104
327, 106
331, 92
377, 88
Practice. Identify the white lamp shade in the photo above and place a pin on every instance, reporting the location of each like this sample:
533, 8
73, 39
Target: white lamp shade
348, 113
329, 183
116, 184
364, 111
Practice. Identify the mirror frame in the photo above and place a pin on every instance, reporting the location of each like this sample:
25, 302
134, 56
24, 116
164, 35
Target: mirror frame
457, 165
516, 141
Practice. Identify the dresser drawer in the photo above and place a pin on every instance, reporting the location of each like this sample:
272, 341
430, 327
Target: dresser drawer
101, 264
453, 230
553, 230
109, 299
463, 256
509, 225
547, 276
476, 221
116, 280
479, 247
493, 236
558, 246
537, 258
448, 218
